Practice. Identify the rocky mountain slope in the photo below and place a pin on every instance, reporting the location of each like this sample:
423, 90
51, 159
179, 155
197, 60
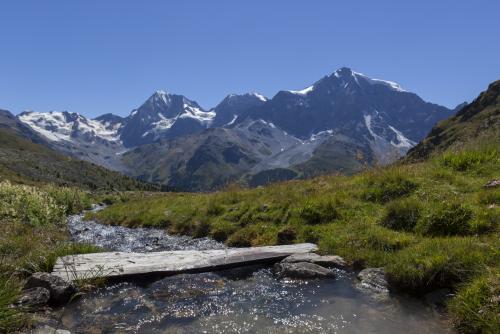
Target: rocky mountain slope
341, 123
25, 158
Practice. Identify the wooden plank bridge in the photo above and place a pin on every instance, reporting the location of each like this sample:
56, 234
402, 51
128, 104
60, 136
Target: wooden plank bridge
121, 264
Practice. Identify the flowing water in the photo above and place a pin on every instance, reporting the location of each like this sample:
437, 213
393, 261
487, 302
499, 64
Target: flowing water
242, 300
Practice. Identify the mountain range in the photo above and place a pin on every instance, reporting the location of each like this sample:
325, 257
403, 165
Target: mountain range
342, 123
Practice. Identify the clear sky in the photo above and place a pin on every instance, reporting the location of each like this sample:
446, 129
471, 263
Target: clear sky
98, 56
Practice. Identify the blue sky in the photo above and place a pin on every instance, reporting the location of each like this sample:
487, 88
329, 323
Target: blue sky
96, 56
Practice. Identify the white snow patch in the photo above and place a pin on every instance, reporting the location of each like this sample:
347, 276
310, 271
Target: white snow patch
403, 141
198, 114
259, 96
304, 91
56, 127
321, 134
235, 117
390, 84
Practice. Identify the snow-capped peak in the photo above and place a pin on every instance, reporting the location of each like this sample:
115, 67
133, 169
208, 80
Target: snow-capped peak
63, 126
346, 74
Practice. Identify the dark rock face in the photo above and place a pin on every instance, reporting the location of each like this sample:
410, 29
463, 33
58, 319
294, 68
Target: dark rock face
373, 281
302, 270
33, 298
60, 290
163, 116
233, 106
325, 261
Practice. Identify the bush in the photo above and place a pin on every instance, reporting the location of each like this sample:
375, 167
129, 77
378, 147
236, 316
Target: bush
385, 188
445, 220
29, 205
476, 306
318, 212
467, 160
401, 215
286, 236
437, 263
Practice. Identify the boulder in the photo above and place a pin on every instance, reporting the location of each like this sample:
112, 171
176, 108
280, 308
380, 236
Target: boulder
60, 290
302, 270
324, 261
373, 281
492, 184
49, 330
33, 299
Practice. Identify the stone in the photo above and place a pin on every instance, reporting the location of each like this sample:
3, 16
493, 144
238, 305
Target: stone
302, 270
373, 281
49, 330
60, 290
33, 299
438, 299
324, 261
492, 184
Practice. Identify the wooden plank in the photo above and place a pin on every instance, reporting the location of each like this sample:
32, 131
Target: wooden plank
117, 264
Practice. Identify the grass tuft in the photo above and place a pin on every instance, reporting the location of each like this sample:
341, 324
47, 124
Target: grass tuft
401, 215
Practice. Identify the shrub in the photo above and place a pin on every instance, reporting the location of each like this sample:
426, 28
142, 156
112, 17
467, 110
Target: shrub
467, 160
29, 205
476, 306
401, 215
318, 212
385, 188
286, 236
437, 263
71, 199
445, 220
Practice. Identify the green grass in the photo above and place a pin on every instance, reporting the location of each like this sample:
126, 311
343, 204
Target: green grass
401, 215
430, 224
476, 307
32, 235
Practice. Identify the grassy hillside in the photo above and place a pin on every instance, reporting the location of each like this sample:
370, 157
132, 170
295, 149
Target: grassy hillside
24, 161
479, 120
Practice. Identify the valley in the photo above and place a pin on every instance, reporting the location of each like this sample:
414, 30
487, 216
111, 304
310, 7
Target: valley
429, 222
